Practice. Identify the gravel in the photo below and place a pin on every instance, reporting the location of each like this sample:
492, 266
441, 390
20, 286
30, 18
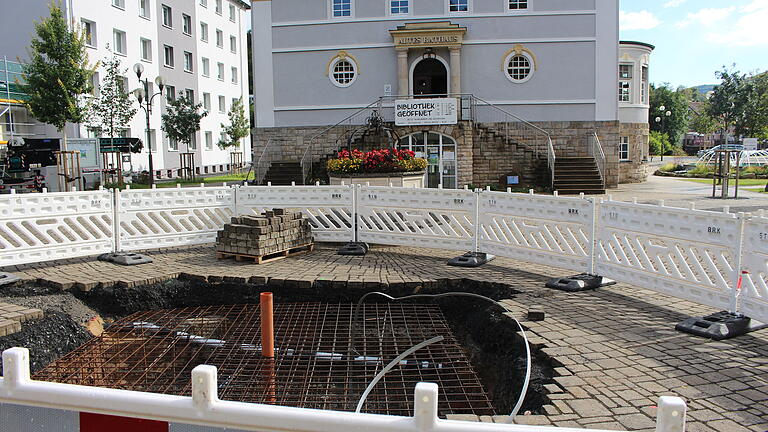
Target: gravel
47, 338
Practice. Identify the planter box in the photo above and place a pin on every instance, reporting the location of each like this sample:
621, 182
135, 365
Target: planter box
406, 179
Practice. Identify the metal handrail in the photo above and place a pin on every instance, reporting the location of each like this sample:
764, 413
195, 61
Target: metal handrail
597, 152
551, 160
259, 174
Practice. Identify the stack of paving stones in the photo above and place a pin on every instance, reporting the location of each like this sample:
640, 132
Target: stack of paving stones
274, 232
11, 317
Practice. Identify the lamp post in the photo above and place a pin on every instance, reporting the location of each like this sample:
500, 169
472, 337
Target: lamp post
662, 119
145, 102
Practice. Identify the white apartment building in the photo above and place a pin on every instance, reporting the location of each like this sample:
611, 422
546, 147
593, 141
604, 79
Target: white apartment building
198, 46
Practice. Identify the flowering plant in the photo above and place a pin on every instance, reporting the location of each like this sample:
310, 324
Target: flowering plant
375, 161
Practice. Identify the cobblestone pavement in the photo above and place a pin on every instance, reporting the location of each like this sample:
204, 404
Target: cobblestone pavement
11, 317
616, 348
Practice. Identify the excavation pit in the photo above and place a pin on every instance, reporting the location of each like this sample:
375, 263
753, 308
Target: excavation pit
316, 364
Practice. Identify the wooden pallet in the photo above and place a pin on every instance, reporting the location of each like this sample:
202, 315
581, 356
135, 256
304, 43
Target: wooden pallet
261, 259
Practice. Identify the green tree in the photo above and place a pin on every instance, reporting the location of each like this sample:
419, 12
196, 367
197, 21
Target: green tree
57, 74
659, 141
754, 122
674, 101
182, 119
701, 121
239, 126
113, 108
728, 100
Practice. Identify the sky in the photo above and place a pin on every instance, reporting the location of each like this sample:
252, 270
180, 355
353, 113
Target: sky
696, 38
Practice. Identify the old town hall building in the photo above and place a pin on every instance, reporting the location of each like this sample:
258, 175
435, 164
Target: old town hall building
534, 87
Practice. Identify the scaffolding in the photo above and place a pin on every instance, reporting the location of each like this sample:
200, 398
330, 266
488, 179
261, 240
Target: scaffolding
313, 366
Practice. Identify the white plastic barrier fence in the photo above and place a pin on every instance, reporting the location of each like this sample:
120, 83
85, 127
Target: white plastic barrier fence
328, 208
685, 253
754, 294
204, 408
50, 226
156, 218
437, 218
550, 230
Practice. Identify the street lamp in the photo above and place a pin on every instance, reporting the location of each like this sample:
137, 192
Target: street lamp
662, 119
145, 102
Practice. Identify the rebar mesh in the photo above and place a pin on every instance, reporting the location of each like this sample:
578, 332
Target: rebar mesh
313, 366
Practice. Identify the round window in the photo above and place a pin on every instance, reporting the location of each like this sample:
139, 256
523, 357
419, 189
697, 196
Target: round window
343, 72
519, 68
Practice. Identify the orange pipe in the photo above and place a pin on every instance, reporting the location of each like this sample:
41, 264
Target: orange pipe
267, 325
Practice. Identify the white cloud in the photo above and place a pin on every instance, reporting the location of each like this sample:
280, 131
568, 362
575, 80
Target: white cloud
749, 28
642, 20
706, 17
674, 3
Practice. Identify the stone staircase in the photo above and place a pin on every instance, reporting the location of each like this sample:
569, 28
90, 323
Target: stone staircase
518, 156
282, 173
574, 175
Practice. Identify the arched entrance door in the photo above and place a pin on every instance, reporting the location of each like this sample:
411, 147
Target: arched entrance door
430, 77
440, 152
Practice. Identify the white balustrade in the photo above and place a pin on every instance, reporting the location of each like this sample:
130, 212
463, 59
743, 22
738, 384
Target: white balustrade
156, 218
685, 253
436, 218
541, 229
49, 226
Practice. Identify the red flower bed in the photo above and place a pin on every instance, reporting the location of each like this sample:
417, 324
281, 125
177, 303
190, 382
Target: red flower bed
380, 160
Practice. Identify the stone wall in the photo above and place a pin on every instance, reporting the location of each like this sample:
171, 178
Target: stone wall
635, 170
486, 151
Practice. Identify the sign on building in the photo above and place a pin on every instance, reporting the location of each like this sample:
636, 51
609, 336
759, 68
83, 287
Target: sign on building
89, 151
439, 111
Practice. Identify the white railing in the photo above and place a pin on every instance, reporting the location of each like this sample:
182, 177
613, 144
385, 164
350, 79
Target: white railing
691, 254
204, 408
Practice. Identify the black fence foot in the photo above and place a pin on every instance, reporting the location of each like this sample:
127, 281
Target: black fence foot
354, 249
580, 282
125, 258
471, 259
720, 325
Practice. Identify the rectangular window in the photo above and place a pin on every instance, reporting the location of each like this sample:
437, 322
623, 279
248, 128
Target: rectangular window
223, 137
167, 16
89, 31
118, 4
645, 85
168, 56
204, 32
218, 7
119, 42
189, 94
624, 91
192, 142
146, 49
458, 5
232, 13
187, 61
222, 104
208, 140
170, 93
95, 84
398, 7
234, 75
207, 101
518, 4
624, 148
206, 67
233, 44
341, 8
204, 3
219, 38
144, 8
186, 24
220, 71
625, 71
173, 145
151, 144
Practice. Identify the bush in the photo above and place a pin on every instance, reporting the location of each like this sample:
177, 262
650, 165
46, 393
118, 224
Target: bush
757, 170
701, 170
375, 161
670, 167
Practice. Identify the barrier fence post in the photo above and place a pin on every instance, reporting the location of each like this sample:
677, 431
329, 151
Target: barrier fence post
478, 195
735, 286
235, 191
593, 236
116, 208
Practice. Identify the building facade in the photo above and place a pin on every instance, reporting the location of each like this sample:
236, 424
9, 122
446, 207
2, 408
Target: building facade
634, 103
198, 46
551, 63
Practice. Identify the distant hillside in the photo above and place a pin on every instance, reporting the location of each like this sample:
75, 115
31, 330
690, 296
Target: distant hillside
706, 88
